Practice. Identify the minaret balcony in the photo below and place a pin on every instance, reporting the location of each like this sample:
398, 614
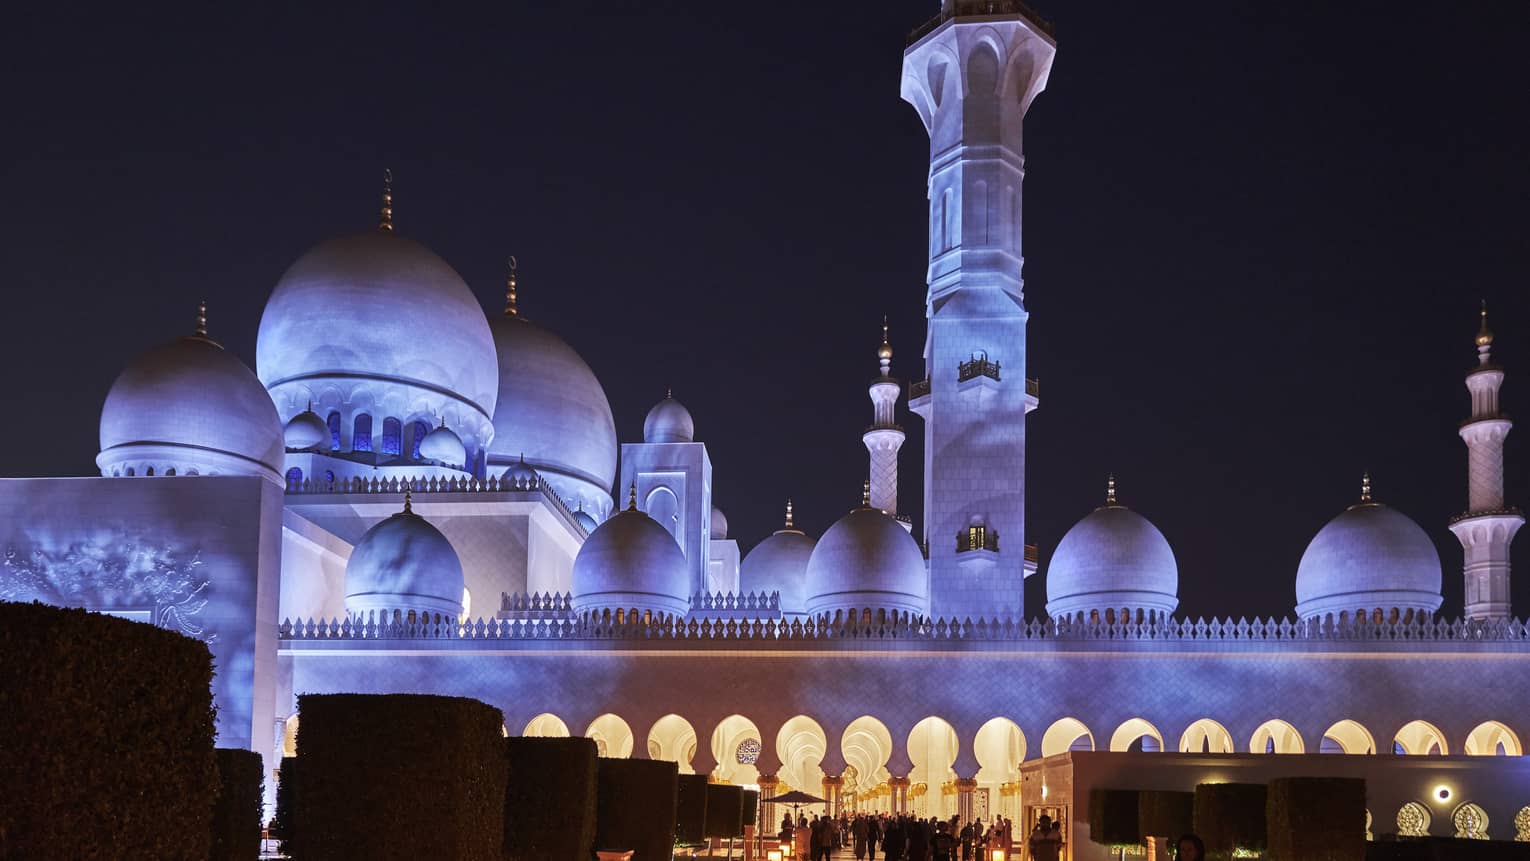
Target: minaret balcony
964, 8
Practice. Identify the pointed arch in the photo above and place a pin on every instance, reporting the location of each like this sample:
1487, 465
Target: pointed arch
1206, 736
1348, 736
1066, 734
1492, 738
613, 738
672, 738
1420, 738
546, 725
736, 749
1276, 736
1139, 732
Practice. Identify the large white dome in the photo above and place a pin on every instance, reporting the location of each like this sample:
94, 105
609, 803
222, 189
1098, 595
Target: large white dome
779, 564
378, 324
404, 563
1370, 557
189, 407
866, 560
1112, 560
631, 562
552, 409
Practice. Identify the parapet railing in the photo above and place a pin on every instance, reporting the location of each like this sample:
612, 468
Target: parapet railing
531, 602
609, 625
730, 602
433, 484
958, 8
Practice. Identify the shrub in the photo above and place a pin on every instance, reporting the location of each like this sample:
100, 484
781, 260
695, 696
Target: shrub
109, 737
1165, 814
635, 807
549, 799
1230, 816
236, 814
286, 791
399, 776
725, 810
691, 809
751, 807
1316, 819
1113, 816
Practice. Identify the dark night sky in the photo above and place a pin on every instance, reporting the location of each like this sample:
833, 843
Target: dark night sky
1256, 232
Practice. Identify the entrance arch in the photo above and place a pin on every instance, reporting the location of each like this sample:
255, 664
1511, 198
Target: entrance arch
1136, 734
866, 745
932, 748
1064, 735
1276, 736
546, 725
800, 745
613, 738
1206, 736
672, 738
999, 747
736, 750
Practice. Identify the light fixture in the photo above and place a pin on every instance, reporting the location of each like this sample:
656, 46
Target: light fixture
1442, 792
998, 855
773, 855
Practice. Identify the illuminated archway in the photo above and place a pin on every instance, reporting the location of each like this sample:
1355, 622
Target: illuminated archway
1206, 736
1419, 738
1348, 736
1137, 733
1276, 736
672, 738
999, 747
800, 745
1065, 735
613, 738
289, 736
866, 745
736, 749
546, 725
932, 748
1493, 739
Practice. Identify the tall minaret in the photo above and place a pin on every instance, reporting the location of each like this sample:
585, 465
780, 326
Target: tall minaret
1488, 526
971, 73
884, 437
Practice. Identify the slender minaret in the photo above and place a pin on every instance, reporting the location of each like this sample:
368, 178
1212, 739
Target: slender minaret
971, 73
884, 437
1488, 526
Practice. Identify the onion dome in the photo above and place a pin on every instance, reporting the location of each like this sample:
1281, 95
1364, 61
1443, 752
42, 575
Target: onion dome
1113, 560
631, 562
779, 564
404, 563
867, 560
375, 318
1367, 558
719, 528
522, 474
189, 407
584, 519
669, 421
551, 410
306, 431
443, 446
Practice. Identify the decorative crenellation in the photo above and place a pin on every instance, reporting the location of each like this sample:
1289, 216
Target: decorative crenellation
728, 602
532, 603
884, 625
433, 484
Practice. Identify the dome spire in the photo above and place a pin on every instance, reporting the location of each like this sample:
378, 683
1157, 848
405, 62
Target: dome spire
1365, 488
884, 352
510, 309
1484, 339
1110, 490
789, 513
632, 496
201, 331
866, 494
409, 498
385, 213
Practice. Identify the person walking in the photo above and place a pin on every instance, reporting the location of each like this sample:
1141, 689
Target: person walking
893, 840
873, 836
858, 837
1190, 848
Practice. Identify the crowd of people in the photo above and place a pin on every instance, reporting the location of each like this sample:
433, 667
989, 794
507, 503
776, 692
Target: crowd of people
900, 838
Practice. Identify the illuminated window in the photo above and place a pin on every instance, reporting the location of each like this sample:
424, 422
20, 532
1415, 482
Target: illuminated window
361, 434
748, 751
334, 431
420, 430
392, 437
294, 478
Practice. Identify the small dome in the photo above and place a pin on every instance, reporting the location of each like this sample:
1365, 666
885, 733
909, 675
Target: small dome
1113, 559
867, 560
719, 525
553, 412
779, 564
522, 474
584, 519
631, 562
404, 563
443, 446
1369, 557
306, 431
186, 407
669, 421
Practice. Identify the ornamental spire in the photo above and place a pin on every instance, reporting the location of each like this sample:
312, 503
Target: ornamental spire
408, 498
884, 352
632, 497
201, 331
510, 309
1365, 488
1484, 339
385, 213
789, 514
1110, 489
866, 494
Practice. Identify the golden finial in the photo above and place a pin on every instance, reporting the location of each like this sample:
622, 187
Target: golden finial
385, 214
789, 514
866, 493
202, 319
1484, 335
1365, 487
1110, 488
408, 498
632, 497
510, 309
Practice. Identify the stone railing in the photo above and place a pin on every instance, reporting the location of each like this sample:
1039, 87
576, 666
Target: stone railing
960, 8
730, 602
977, 366
533, 604
918, 389
895, 626
465, 484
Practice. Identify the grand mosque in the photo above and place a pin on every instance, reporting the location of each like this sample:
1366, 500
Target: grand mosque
411, 493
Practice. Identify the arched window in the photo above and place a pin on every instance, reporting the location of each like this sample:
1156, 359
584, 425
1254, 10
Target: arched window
361, 433
334, 431
392, 437
294, 478
149, 471
170, 471
329, 476
420, 430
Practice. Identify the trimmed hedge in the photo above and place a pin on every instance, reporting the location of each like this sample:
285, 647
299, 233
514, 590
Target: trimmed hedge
109, 737
725, 810
1316, 819
236, 814
399, 776
751, 807
1230, 816
286, 792
1443, 849
1113, 816
691, 809
549, 799
1165, 814
635, 807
